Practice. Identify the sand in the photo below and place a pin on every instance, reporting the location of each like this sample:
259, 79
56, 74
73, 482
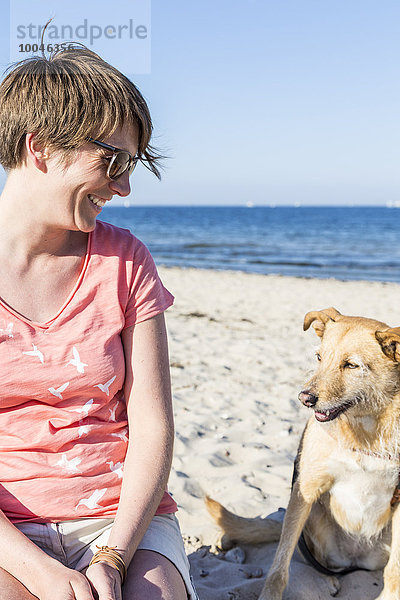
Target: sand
239, 358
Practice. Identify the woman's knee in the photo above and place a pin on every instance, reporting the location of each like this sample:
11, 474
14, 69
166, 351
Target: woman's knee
154, 577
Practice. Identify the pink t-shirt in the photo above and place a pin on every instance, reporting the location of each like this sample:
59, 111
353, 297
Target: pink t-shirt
63, 421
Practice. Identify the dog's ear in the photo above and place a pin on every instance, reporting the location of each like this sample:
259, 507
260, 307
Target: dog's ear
390, 342
319, 318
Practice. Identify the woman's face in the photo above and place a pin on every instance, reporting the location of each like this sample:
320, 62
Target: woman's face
80, 190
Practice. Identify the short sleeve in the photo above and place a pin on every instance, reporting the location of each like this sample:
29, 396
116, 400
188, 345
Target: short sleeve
147, 295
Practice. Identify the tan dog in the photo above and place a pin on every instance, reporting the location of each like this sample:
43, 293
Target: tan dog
344, 501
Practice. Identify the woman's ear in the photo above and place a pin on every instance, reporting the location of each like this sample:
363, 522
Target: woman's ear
36, 152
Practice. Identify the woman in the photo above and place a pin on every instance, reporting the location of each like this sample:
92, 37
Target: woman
86, 426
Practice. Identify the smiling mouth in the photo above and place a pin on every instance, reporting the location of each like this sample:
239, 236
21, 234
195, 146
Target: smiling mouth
96, 201
331, 413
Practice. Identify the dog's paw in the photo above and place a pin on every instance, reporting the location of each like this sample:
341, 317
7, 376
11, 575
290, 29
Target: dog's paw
266, 595
270, 592
333, 584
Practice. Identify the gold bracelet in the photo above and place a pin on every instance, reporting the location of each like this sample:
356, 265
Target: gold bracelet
110, 556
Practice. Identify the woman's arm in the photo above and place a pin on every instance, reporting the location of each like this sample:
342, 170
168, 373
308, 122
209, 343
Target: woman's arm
151, 432
44, 577
146, 470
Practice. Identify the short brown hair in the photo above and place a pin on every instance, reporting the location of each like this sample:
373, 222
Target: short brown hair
66, 98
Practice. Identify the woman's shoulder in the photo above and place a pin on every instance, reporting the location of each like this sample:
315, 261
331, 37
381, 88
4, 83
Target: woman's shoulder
118, 240
109, 231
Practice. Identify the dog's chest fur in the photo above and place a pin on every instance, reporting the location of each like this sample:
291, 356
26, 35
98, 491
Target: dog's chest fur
362, 489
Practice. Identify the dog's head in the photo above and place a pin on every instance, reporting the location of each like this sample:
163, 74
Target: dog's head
358, 365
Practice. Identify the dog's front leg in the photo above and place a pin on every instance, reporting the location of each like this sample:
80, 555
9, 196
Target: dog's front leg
296, 515
391, 573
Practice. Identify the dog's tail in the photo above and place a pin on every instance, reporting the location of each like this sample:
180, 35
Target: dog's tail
241, 529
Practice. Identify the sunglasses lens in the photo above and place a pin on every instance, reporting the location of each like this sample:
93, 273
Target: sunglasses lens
119, 164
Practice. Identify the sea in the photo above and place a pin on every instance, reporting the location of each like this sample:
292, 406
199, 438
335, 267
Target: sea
347, 243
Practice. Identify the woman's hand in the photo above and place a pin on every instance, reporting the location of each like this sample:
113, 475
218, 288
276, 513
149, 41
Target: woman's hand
62, 583
105, 581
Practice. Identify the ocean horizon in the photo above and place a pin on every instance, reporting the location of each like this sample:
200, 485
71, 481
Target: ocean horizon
343, 242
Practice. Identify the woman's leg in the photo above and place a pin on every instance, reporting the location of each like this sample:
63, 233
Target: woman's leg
153, 577
12, 589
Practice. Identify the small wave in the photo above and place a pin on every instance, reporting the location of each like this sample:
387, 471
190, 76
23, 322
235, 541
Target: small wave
326, 265
199, 245
284, 263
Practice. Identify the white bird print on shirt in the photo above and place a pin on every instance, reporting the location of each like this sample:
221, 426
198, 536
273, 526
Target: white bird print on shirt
35, 352
104, 387
83, 430
69, 465
117, 468
7, 332
85, 408
93, 500
122, 435
57, 392
76, 361
113, 411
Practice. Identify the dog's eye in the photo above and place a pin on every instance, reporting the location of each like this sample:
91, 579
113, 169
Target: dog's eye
318, 356
349, 365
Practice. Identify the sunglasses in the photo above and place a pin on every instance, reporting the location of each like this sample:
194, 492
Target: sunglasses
119, 162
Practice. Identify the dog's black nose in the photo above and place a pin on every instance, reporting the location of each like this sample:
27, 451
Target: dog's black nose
308, 398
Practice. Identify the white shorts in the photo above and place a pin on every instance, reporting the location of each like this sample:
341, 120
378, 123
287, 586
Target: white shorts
73, 543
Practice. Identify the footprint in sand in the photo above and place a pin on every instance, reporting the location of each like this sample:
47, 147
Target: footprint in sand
220, 460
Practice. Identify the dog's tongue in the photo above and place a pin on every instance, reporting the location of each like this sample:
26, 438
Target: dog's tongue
322, 416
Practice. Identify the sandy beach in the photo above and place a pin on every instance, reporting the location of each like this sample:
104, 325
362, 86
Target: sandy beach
239, 358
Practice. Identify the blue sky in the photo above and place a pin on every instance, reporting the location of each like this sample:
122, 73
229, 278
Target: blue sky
270, 102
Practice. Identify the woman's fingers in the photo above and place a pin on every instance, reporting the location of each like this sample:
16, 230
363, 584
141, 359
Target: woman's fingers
81, 589
105, 581
63, 583
118, 590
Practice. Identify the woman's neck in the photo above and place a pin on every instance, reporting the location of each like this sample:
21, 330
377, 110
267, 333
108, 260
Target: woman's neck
26, 233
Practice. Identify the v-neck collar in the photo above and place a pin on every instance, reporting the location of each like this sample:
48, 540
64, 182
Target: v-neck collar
77, 284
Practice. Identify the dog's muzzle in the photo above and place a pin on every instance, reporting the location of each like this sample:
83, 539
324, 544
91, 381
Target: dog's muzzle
307, 398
